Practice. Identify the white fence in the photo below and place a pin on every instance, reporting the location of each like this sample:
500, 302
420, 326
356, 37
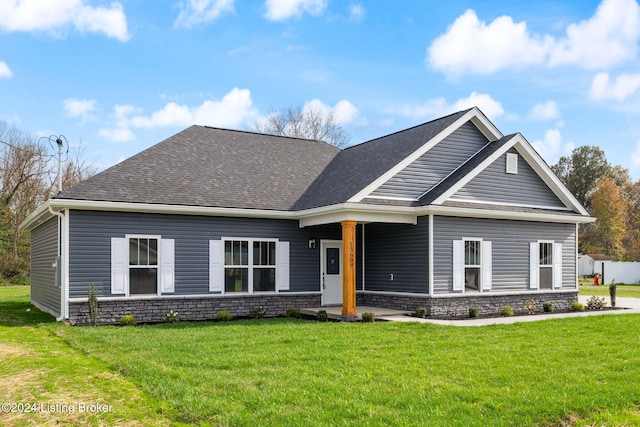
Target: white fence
621, 272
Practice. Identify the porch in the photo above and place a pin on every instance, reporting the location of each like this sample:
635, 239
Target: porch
335, 312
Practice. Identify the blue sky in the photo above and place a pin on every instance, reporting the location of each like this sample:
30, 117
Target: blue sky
120, 76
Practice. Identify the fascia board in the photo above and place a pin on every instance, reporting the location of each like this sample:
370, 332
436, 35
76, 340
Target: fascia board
475, 115
546, 174
168, 209
510, 215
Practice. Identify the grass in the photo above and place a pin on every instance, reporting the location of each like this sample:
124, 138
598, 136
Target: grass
586, 288
263, 372
38, 367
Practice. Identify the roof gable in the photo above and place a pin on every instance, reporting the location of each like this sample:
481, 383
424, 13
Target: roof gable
431, 167
496, 185
203, 166
449, 186
357, 167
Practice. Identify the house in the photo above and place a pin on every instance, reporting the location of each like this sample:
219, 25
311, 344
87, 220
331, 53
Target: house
444, 215
590, 264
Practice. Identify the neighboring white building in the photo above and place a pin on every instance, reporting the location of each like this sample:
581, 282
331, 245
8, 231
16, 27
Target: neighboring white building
590, 264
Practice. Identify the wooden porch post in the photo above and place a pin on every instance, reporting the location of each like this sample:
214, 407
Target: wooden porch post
349, 270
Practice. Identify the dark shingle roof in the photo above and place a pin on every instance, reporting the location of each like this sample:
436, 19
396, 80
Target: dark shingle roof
203, 166
356, 167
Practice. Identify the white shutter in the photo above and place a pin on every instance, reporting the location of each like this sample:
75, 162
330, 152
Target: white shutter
458, 266
487, 273
118, 265
282, 266
215, 266
534, 261
557, 265
168, 265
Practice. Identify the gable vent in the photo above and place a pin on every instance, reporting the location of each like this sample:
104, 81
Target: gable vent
512, 163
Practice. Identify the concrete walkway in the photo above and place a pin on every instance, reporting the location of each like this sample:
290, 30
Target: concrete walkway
630, 305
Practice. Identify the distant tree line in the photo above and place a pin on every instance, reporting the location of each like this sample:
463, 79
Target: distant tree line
611, 196
28, 177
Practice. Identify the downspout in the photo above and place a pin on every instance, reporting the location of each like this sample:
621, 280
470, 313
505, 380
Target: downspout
60, 265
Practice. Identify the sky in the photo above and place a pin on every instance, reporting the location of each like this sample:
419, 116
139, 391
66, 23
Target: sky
116, 77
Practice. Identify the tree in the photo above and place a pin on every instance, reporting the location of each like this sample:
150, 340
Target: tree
27, 179
610, 209
308, 123
581, 172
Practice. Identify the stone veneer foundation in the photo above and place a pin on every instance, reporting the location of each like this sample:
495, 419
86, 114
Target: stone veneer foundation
188, 308
457, 306
206, 308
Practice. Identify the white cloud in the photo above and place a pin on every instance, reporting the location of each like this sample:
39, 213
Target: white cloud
471, 46
234, 109
608, 38
553, 146
82, 108
281, 10
5, 71
343, 112
36, 15
356, 12
544, 111
201, 11
439, 107
621, 88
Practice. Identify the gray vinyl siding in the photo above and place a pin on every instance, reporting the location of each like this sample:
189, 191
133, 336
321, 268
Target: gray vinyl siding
398, 249
435, 164
90, 236
510, 249
495, 185
44, 251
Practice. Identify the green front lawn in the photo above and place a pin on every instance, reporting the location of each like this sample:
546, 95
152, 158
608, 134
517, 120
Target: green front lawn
577, 371
623, 291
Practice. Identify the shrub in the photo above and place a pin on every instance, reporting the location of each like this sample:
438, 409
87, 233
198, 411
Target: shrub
368, 317
93, 304
507, 311
595, 303
473, 311
171, 317
223, 316
322, 316
530, 306
293, 312
258, 312
613, 290
547, 307
127, 320
576, 306
421, 312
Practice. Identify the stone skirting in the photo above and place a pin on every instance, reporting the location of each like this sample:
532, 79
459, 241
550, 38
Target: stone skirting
196, 308
458, 306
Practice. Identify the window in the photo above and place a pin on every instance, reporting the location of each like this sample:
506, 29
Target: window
472, 264
143, 266
546, 265
249, 270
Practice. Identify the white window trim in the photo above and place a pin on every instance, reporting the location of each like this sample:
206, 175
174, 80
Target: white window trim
555, 266
485, 280
250, 266
127, 238
479, 266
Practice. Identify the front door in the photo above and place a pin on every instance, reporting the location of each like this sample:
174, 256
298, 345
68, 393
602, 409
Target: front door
331, 272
